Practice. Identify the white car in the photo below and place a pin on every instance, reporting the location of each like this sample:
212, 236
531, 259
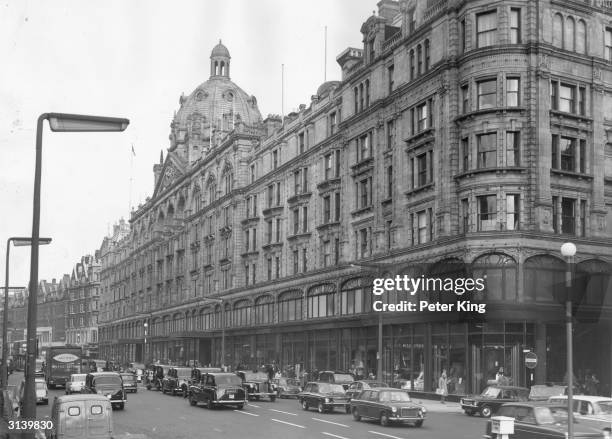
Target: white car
76, 383
42, 393
590, 410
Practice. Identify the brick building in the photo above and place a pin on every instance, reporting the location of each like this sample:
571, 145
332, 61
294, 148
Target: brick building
474, 134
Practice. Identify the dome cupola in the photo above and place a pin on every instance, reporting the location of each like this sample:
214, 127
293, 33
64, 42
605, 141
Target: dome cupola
220, 61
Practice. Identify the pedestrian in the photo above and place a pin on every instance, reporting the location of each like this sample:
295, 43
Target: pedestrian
442, 389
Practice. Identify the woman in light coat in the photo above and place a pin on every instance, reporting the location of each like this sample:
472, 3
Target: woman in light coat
443, 386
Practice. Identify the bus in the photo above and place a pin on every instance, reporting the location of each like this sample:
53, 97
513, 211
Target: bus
61, 362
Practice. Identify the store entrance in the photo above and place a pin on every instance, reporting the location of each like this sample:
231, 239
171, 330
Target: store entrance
490, 362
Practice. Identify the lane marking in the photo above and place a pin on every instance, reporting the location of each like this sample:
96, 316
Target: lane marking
288, 423
280, 411
253, 405
330, 422
334, 435
383, 434
245, 413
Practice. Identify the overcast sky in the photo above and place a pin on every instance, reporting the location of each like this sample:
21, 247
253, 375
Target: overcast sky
134, 59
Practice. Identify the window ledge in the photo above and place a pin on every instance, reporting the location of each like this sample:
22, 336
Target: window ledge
362, 166
271, 245
500, 110
299, 197
578, 175
250, 253
332, 182
249, 220
428, 132
299, 235
423, 188
273, 210
564, 115
500, 170
387, 201
328, 225
362, 210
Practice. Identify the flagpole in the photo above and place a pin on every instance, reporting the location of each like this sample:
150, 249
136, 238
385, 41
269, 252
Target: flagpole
283, 94
131, 175
325, 60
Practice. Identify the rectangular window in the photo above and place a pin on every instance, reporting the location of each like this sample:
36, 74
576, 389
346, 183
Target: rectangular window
512, 212
486, 29
554, 95
419, 60
326, 209
301, 143
555, 214
274, 159
512, 92
411, 65
304, 260
582, 217
567, 146
337, 162
363, 242
356, 99
277, 267
247, 241
465, 154
390, 73
246, 274
513, 148
270, 195
567, 98
515, 26
465, 98
305, 219
269, 268
422, 170
582, 101
326, 253
487, 212
608, 44
278, 194
422, 226
327, 160
389, 234
465, 215
462, 35
364, 192
422, 117
365, 150
336, 251
487, 94
568, 216
297, 182
337, 206
333, 123
252, 173
304, 180
555, 152
278, 229
389, 181
582, 152
430, 224
390, 134
296, 261
296, 221
487, 150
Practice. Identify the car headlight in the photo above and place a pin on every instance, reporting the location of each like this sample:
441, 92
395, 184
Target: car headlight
423, 410
328, 400
394, 409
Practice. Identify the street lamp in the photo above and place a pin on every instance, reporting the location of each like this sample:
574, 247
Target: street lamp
17, 242
58, 122
144, 356
568, 250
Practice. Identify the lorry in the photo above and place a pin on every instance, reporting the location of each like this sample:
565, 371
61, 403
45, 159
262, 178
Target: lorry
61, 362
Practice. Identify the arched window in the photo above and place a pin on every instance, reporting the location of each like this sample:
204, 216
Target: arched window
170, 212
217, 317
557, 37
411, 65
499, 272
419, 60
356, 296
569, 34
196, 200
367, 93
544, 276
264, 310
212, 190
242, 313
290, 306
581, 42
320, 301
427, 55
444, 280
227, 181
595, 283
361, 96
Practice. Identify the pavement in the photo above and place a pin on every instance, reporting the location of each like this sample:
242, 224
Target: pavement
434, 406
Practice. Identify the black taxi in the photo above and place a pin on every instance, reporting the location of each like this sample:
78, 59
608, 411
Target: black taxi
176, 381
218, 389
108, 384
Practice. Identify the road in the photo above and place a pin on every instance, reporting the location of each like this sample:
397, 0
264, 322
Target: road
157, 416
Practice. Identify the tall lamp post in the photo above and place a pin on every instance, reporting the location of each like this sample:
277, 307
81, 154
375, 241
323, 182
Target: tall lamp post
568, 250
58, 122
17, 242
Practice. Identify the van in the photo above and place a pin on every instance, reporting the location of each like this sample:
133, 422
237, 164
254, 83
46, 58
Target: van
81, 417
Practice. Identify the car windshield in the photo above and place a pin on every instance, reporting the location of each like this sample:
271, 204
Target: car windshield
128, 377
259, 376
394, 397
330, 388
107, 381
605, 407
490, 392
545, 415
228, 379
343, 378
292, 382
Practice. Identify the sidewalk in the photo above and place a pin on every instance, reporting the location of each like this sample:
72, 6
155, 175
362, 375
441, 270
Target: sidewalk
435, 406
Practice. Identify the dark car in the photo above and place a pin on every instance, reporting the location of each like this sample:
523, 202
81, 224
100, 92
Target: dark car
129, 382
286, 387
355, 388
257, 385
343, 378
388, 405
177, 381
539, 420
324, 396
218, 389
159, 372
197, 372
491, 398
108, 384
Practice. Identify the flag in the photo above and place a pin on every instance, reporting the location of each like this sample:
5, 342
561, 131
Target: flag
133, 152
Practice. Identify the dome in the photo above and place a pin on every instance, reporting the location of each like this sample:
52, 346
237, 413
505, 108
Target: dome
220, 50
326, 87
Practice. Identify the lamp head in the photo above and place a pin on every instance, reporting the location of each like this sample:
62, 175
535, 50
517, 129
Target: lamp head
84, 123
568, 249
145, 324
21, 242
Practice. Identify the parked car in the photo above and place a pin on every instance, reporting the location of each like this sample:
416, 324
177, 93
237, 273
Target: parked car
81, 416
357, 387
388, 405
75, 383
159, 372
42, 392
343, 378
286, 387
197, 372
108, 384
591, 410
218, 389
324, 396
257, 385
541, 392
540, 420
129, 382
176, 381
491, 398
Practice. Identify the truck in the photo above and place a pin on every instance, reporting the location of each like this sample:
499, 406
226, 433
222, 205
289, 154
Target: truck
61, 362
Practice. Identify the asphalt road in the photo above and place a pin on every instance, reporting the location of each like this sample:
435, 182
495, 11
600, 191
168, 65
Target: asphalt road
152, 415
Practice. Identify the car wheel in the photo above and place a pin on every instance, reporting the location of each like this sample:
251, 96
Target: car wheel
193, 401
356, 415
173, 392
304, 404
485, 412
209, 404
384, 419
148, 386
163, 389
272, 398
418, 423
240, 406
321, 408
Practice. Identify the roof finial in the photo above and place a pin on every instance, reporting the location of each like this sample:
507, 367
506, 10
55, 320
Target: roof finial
219, 40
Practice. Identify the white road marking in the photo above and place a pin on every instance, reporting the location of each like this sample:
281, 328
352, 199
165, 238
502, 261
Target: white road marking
383, 434
334, 435
253, 405
330, 422
280, 411
245, 413
288, 423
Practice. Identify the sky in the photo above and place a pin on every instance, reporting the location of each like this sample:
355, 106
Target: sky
133, 59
